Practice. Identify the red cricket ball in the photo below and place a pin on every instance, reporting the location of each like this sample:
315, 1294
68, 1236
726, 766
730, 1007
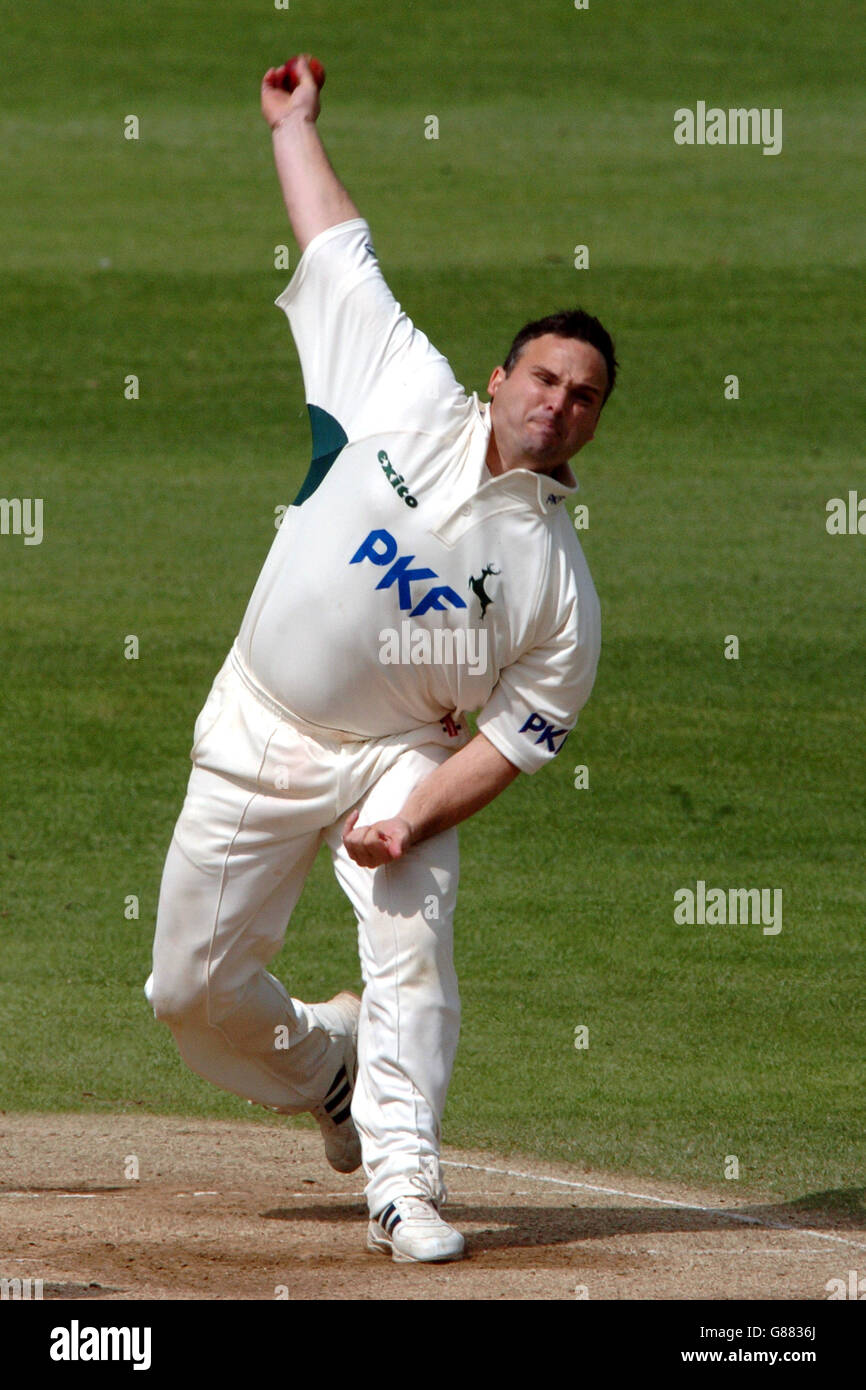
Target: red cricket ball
287, 76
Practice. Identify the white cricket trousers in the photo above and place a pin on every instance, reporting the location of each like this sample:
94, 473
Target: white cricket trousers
265, 792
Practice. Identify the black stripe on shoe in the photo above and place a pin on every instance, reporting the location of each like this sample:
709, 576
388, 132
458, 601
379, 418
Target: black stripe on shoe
389, 1218
337, 1091
337, 1081
337, 1100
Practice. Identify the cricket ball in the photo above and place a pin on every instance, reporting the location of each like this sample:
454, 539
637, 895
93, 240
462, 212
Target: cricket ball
287, 76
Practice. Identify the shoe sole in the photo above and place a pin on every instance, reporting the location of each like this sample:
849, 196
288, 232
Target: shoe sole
381, 1244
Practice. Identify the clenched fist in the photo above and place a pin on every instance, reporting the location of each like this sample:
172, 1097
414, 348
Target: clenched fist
372, 845
278, 103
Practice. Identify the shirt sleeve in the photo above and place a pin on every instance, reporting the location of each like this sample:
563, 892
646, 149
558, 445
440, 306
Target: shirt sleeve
357, 346
536, 701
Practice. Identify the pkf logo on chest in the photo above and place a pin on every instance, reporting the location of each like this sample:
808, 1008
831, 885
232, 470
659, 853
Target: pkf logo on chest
535, 724
380, 548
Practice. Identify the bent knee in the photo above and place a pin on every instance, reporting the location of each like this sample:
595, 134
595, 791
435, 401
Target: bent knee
174, 999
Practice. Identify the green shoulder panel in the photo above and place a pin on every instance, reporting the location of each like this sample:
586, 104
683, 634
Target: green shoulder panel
329, 438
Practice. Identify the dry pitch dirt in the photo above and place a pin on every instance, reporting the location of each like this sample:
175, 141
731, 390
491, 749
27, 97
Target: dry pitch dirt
245, 1211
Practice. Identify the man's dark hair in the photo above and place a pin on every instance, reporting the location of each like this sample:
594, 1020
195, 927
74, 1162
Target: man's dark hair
568, 323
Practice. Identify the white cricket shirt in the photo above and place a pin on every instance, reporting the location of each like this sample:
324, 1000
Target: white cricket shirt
406, 583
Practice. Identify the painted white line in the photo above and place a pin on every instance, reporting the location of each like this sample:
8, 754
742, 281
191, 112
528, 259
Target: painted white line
724, 1251
88, 1195
662, 1201
325, 1196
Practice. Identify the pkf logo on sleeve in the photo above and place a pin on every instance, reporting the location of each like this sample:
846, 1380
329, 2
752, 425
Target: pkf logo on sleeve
536, 724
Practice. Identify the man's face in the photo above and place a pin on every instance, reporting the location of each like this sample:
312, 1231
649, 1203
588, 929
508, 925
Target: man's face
548, 408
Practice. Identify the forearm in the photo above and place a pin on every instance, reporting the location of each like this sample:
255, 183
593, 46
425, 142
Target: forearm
459, 787
314, 197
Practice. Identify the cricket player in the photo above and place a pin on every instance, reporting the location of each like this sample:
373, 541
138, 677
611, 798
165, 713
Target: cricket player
427, 567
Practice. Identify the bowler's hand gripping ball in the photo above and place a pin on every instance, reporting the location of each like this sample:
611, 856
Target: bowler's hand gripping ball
287, 76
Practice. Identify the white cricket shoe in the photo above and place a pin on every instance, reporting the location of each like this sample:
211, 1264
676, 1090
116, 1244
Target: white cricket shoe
410, 1229
342, 1145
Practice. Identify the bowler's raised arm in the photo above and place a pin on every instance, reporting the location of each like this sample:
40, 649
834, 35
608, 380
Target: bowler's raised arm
314, 197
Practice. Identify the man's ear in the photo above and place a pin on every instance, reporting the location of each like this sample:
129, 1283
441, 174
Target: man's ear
497, 376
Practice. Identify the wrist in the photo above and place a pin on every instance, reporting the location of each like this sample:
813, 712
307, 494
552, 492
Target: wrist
411, 828
291, 118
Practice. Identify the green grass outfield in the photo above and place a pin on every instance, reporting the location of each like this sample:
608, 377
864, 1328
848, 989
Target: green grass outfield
707, 518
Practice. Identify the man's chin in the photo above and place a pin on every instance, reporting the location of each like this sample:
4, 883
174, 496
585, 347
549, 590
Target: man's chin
543, 456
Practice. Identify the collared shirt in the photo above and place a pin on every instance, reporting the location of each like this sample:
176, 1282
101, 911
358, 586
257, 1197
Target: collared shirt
407, 584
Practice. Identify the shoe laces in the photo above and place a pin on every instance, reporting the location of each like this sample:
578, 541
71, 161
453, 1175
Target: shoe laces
416, 1209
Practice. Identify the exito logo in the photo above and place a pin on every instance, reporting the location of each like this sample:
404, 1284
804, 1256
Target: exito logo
397, 481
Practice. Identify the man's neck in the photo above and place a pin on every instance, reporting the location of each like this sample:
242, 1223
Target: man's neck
496, 466
494, 462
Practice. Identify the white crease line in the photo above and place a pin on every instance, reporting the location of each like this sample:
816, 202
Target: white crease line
662, 1201
325, 1196
758, 1250
51, 1194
